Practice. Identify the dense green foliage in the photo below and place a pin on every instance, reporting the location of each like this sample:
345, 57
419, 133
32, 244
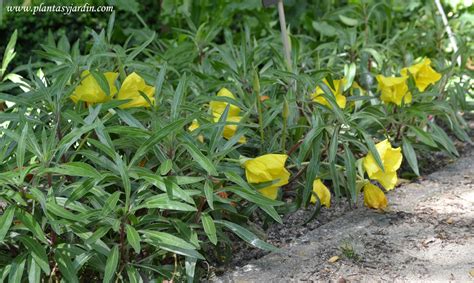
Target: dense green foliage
96, 192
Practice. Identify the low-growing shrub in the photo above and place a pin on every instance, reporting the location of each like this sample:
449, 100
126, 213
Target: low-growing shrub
138, 162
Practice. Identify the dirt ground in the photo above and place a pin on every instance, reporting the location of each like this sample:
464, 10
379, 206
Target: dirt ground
427, 234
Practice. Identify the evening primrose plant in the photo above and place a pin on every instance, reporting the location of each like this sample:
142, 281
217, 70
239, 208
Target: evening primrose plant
146, 160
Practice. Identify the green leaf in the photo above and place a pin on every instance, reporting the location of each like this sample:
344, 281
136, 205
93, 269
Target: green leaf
75, 134
349, 162
157, 137
17, 269
65, 265
133, 275
313, 167
167, 239
181, 251
209, 193
37, 252
30, 223
246, 235
248, 192
172, 244
190, 266
129, 119
202, 160
20, 152
253, 196
111, 265
423, 136
410, 155
34, 271
349, 73
97, 235
79, 169
82, 189
123, 170
165, 167
209, 227
270, 210
9, 53
442, 138
178, 98
110, 26
6, 221
333, 146
348, 21
217, 129
142, 47
162, 201
372, 149
61, 212
133, 238
324, 28
102, 81
378, 58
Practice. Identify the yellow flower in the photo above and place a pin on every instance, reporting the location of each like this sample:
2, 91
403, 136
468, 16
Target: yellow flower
374, 197
423, 74
229, 130
194, 125
130, 90
394, 89
90, 91
337, 92
218, 107
322, 192
266, 168
391, 160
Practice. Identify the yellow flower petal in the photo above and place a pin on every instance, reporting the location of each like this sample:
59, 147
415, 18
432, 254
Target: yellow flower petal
90, 91
130, 90
391, 160
218, 107
423, 74
194, 125
229, 130
322, 192
337, 92
266, 168
394, 89
374, 197
388, 180
270, 192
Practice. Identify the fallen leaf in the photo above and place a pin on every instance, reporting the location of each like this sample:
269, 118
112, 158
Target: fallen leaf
472, 272
264, 97
426, 242
450, 220
333, 259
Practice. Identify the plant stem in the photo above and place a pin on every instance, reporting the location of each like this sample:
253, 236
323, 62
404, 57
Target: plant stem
284, 35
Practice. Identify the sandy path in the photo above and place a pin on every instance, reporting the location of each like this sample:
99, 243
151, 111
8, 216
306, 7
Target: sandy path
427, 235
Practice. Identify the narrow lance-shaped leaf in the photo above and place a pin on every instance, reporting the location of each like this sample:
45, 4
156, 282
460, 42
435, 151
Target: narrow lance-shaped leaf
201, 159
410, 155
111, 264
38, 252
246, 235
133, 238
209, 227
349, 162
6, 221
